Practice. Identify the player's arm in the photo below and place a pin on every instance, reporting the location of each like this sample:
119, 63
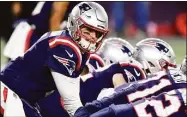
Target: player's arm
33, 60
57, 15
95, 61
155, 106
69, 90
127, 73
64, 61
118, 80
121, 94
132, 72
97, 105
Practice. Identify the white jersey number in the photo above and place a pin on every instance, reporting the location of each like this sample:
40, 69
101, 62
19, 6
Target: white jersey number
155, 107
164, 107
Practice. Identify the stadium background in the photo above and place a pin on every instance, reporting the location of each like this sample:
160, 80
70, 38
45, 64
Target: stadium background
166, 20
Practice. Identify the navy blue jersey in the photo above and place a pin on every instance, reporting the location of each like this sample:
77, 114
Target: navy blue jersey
52, 105
95, 62
102, 78
141, 98
165, 104
131, 72
29, 76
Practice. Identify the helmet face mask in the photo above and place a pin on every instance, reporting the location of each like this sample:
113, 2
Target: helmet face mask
155, 55
149, 62
88, 17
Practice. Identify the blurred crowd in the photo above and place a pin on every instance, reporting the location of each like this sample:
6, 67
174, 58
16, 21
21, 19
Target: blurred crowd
127, 19
23, 22
149, 18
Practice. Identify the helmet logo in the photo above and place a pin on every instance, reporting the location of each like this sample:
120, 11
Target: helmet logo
162, 48
126, 50
84, 7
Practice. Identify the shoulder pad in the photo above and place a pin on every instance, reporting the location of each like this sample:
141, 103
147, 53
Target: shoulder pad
64, 41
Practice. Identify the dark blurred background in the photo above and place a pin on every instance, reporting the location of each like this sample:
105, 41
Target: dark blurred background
130, 20
126, 18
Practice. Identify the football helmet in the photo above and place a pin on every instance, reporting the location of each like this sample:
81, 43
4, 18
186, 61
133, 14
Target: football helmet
154, 54
116, 50
93, 16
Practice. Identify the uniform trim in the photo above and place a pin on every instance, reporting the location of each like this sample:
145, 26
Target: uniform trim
66, 41
125, 64
28, 39
98, 58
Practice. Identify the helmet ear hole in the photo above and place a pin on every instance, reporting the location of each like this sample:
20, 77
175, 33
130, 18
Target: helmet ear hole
111, 61
147, 71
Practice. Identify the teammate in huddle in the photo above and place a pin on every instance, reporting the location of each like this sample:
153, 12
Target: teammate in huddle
158, 85
155, 55
160, 95
57, 58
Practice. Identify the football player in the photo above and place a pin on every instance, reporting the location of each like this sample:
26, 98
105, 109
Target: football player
155, 55
160, 95
106, 77
12, 105
52, 104
162, 56
57, 58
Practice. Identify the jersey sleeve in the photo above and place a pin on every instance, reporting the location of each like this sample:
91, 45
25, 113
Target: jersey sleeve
105, 74
155, 106
96, 61
136, 94
132, 72
64, 57
17, 71
93, 83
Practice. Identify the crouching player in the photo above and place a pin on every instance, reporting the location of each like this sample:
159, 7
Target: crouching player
106, 77
91, 85
159, 95
165, 58
56, 60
